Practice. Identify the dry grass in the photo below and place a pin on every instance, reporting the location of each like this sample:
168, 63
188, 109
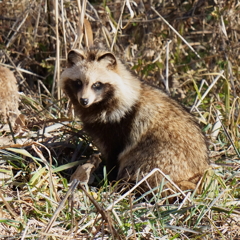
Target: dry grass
190, 48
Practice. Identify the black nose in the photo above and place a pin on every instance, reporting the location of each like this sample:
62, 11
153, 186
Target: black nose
84, 101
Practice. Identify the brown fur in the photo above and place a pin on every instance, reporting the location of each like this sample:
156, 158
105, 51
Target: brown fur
8, 96
135, 126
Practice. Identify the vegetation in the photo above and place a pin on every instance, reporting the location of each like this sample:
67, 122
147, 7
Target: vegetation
189, 48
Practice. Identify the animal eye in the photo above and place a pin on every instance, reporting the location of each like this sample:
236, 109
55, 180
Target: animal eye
79, 82
97, 86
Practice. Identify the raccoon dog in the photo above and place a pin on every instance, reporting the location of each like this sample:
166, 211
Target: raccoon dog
135, 126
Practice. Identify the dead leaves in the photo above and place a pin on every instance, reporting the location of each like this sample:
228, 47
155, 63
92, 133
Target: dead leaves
83, 172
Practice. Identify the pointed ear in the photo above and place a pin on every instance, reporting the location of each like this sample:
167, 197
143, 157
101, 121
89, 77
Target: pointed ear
75, 56
108, 59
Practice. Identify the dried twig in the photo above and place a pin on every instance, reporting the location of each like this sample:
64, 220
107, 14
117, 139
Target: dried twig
175, 31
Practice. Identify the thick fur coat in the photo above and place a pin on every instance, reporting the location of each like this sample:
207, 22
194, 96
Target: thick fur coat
8, 96
135, 126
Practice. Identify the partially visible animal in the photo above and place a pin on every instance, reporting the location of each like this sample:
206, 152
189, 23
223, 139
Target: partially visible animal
8, 96
136, 127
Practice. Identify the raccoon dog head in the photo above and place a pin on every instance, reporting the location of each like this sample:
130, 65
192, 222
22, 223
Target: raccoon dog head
89, 76
96, 79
